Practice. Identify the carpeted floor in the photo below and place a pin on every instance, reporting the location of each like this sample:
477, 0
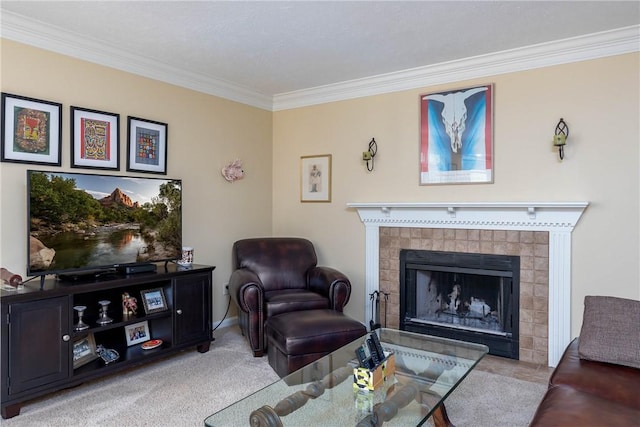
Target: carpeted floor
186, 388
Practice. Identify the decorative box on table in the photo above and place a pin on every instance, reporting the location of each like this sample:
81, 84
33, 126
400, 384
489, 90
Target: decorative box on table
371, 379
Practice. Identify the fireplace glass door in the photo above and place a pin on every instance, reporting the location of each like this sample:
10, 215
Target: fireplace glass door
469, 297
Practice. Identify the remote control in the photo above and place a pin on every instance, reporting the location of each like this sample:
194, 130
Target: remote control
363, 360
379, 348
374, 352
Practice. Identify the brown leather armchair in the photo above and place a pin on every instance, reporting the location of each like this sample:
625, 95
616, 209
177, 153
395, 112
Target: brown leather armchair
275, 275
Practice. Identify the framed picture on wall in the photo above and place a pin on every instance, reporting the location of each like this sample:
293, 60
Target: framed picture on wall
95, 139
31, 130
146, 146
456, 136
315, 178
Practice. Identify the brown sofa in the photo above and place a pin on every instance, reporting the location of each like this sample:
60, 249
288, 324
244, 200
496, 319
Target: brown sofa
596, 382
276, 275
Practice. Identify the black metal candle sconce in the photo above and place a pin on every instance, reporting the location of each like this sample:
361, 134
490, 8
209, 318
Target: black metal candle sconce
560, 137
370, 153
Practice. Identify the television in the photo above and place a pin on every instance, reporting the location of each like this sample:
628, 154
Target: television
83, 224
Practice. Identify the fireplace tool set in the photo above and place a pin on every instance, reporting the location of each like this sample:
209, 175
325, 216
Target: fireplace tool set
375, 298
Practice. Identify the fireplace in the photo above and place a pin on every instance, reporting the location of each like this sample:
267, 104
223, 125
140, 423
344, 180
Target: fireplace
465, 296
556, 220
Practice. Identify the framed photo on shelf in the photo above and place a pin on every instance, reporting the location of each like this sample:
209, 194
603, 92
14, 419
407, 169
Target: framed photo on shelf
31, 130
84, 350
456, 136
146, 146
315, 178
137, 333
95, 139
153, 300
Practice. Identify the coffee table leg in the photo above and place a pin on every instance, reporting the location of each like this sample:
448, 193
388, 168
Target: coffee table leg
440, 417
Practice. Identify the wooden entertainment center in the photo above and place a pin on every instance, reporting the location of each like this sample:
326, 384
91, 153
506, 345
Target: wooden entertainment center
42, 351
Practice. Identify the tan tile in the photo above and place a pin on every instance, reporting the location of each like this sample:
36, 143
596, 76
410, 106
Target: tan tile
473, 246
486, 235
541, 251
541, 237
513, 236
499, 236
461, 246
473, 234
462, 234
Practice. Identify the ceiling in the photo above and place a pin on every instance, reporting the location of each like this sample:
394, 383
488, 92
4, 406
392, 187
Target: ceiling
268, 49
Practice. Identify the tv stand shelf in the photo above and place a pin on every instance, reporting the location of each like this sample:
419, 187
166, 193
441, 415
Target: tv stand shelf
42, 352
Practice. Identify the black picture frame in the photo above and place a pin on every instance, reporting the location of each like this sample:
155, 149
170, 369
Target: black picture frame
154, 300
31, 130
95, 139
146, 146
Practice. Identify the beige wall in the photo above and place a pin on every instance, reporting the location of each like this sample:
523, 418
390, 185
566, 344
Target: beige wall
598, 99
204, 133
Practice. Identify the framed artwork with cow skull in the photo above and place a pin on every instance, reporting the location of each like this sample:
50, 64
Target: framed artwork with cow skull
456, 136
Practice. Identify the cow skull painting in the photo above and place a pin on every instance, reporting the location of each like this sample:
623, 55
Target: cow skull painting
456, 136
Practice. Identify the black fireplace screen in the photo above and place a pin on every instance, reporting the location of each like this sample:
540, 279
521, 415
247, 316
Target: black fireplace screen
470, 297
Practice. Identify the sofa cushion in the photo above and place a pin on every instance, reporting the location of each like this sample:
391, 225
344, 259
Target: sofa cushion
564, 406
610, 331
609, 382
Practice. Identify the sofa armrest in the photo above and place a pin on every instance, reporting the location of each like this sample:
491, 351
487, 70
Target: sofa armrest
246, 290
331, 283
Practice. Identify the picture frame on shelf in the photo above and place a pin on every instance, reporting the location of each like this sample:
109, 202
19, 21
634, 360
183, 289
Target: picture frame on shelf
315, 178
31, 130
137, 333
95, 139
154, 300
84, 350
146, 146
456, 136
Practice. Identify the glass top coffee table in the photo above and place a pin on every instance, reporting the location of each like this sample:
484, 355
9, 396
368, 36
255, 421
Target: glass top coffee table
427, 370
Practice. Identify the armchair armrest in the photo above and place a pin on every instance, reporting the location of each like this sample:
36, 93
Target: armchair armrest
246, 290
331, 283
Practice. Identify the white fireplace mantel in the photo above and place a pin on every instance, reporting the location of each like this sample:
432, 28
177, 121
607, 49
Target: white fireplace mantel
558, 218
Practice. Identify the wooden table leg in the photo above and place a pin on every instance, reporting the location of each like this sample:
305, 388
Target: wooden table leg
440, 417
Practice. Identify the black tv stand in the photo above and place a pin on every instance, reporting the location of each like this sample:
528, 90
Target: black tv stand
40, 346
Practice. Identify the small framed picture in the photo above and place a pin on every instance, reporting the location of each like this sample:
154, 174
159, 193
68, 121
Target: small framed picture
315, 178
154, 300
137, 333
31, 130
84, 351
95, 139
146, 146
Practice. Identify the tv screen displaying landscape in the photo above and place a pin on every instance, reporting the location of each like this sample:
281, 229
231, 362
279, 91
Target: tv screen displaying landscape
91, 222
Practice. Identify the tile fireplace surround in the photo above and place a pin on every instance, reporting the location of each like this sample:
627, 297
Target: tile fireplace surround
540, 232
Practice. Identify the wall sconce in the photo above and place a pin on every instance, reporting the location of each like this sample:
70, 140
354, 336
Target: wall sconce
560, 137
370, 154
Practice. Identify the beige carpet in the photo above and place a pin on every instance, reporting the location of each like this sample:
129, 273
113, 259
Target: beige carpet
186, 388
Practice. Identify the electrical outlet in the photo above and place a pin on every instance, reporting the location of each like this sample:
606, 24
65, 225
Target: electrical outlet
225, 289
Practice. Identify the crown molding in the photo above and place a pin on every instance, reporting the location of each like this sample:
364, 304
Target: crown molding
615, 42
18, 28
575, 49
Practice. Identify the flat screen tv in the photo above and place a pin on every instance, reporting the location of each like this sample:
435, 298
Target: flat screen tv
84, 223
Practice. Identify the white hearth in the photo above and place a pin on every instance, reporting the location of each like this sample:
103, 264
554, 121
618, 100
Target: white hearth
556, 218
